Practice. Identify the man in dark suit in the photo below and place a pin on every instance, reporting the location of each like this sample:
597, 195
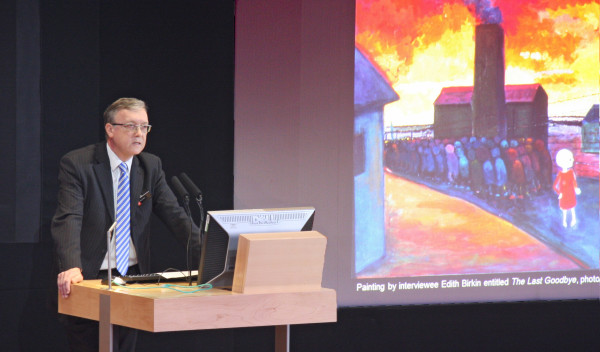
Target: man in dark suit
87, 203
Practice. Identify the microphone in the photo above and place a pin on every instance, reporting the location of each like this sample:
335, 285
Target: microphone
180, 191
191, 187
197, 194
183, 194
195, 191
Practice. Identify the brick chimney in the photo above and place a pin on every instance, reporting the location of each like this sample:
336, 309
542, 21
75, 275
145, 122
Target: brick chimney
488, 102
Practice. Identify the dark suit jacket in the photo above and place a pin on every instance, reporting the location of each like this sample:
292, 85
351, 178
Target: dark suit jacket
85, 209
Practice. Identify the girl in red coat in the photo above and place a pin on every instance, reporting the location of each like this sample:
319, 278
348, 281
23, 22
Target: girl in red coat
566, 185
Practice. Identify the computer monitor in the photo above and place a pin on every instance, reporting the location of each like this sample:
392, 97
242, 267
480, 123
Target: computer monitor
222, 229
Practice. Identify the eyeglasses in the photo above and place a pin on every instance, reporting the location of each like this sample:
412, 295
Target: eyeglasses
133, 128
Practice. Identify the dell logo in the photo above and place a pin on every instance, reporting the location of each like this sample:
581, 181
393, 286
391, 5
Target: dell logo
264, 219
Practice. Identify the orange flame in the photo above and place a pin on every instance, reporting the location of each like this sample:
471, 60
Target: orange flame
423, 46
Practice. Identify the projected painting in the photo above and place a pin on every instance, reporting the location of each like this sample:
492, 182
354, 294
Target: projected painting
476, 137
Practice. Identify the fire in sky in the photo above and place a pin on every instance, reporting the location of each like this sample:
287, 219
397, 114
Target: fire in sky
425, 45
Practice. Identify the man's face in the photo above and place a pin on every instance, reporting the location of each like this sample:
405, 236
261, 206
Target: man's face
123, 142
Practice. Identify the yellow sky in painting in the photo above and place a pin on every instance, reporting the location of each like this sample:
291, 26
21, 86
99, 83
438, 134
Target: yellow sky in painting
423, 47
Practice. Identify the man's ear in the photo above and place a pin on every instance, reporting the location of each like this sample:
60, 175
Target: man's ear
108, 128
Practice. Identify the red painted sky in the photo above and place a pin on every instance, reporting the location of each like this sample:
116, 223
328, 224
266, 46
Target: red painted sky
428, 45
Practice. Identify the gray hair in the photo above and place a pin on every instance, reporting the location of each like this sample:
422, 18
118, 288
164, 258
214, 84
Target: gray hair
123, 104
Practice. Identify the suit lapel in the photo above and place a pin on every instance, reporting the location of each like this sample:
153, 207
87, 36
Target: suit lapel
136, 183
104, 176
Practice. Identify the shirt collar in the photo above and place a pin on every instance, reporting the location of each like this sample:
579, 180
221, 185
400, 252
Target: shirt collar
115, 161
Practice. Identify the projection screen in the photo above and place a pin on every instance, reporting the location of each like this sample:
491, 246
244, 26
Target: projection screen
426, 136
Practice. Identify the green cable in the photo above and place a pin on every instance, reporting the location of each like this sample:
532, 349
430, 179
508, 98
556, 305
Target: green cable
202, 287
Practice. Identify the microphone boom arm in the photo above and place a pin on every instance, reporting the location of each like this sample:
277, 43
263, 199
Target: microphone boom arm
109, 233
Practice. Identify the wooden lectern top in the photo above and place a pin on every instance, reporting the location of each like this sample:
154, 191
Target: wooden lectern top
163, 309
278, 282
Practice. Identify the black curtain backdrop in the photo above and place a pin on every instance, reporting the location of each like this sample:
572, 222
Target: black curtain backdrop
8, 64
20, 125
178, 56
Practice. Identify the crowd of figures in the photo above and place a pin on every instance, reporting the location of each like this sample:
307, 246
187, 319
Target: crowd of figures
488, 167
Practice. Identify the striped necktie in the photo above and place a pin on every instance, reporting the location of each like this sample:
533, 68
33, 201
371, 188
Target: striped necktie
122, 229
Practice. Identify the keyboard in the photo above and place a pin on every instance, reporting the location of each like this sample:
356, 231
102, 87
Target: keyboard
155, 277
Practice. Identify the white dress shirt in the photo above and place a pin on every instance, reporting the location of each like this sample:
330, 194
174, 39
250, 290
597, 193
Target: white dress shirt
116, 173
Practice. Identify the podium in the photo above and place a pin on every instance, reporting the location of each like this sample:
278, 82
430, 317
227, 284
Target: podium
268, 300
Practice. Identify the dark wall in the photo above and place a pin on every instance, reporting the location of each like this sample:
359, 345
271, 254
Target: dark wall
452, 121
8, 31
175, 55
517, 326
69, 89
178, 56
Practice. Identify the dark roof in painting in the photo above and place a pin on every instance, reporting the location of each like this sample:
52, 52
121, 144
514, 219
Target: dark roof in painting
454, 96
592, 115
371, 89
515, 93
521, 93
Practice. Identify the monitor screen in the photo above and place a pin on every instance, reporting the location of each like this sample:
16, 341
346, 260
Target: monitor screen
222, 229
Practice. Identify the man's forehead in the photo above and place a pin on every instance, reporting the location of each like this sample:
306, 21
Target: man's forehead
132, 115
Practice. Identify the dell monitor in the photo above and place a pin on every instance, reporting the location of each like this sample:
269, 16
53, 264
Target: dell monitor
222, 229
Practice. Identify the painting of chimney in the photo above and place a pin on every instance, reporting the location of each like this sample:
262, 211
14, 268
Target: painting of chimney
488, 102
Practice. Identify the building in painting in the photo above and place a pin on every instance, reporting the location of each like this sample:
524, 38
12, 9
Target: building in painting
371, 92
526, 112
490, 108
589, 131
452, 113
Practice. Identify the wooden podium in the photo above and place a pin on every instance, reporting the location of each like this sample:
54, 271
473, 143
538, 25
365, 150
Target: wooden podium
279, 298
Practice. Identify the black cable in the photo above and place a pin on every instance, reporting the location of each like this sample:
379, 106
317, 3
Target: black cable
197, 195
181, 191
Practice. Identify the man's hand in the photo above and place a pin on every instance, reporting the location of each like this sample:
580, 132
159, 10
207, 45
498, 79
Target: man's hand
66, 278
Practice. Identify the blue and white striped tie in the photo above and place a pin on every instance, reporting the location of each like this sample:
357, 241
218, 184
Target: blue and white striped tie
123, 204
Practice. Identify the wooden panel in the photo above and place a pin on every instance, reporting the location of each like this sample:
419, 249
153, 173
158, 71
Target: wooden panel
84, 301
132, 311
156, 309
245, 310
279, 262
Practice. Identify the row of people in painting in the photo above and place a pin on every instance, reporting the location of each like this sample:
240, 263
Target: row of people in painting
487, 166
